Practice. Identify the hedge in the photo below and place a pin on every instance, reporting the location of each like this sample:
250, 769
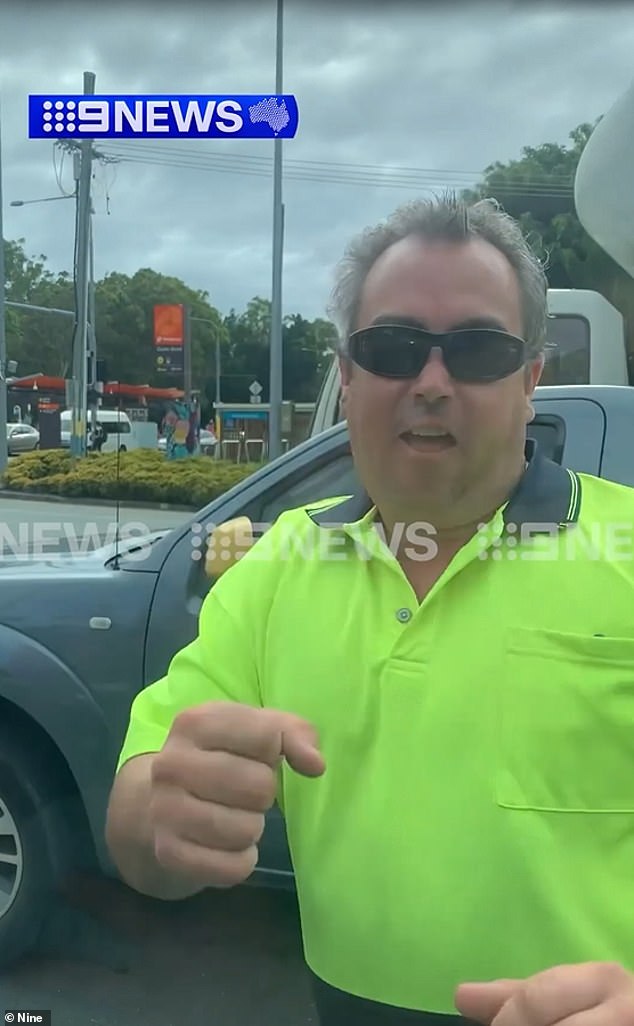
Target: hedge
142, 475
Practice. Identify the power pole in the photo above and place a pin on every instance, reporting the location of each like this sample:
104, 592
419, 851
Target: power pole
82, 278
276, 392
4, 457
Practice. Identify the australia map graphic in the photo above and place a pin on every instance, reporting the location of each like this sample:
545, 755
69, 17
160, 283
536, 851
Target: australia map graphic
272, 113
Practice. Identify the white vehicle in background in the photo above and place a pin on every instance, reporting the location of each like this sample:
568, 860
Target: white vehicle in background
586, 342
117, 428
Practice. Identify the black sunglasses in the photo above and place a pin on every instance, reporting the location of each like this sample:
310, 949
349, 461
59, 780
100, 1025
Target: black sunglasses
475, 355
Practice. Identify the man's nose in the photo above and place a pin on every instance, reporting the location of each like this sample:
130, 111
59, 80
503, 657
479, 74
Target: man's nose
434, 381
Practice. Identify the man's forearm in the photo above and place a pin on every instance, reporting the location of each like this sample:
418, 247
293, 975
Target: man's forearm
129, 836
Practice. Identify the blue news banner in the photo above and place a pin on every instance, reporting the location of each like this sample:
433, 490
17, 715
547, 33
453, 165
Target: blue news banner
162, 117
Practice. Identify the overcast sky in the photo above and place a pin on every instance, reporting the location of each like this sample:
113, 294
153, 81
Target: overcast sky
444, 90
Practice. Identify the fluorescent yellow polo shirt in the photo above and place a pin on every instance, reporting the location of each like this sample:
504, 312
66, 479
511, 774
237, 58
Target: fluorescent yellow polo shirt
476, 818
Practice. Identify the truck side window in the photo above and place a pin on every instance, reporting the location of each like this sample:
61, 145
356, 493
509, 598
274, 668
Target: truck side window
337, 477
567, 351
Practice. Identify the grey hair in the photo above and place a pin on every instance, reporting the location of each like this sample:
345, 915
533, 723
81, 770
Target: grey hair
447, 219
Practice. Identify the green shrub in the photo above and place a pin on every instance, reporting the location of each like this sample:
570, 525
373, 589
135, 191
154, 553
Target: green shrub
142, 475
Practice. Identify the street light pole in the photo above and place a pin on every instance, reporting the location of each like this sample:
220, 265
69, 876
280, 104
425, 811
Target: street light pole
187, 353
276, 392
92, 330
218, 373
44, 199
4, 415
41, 309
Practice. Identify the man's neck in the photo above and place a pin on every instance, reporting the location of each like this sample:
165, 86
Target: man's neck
423, 564
454, 519
425, 548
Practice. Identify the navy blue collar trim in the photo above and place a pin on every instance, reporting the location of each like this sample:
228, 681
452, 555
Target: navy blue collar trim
547, 496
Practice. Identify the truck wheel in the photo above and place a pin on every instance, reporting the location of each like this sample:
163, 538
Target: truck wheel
34, 845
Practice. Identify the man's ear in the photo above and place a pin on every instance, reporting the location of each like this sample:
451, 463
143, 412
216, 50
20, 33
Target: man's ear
533, 373
345, 373
345, 370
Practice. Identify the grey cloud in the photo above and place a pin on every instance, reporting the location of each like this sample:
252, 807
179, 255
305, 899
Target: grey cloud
450, 89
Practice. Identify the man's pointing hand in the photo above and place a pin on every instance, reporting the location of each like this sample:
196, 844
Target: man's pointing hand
213, 782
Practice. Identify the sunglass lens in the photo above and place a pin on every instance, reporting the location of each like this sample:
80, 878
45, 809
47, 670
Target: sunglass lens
391, 352
483, 355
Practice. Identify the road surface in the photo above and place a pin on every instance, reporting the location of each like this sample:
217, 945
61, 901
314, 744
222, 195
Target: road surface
115, 958
27, 526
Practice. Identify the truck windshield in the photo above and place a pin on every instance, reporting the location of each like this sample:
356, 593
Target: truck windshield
567, 351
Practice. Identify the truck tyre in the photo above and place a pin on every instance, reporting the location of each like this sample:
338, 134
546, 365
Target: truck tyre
35, 843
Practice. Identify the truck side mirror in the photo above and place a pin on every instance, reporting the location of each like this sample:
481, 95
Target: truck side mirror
227, 544
604, 200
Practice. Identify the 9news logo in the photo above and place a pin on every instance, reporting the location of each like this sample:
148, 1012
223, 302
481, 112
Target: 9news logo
64, 118
176, 117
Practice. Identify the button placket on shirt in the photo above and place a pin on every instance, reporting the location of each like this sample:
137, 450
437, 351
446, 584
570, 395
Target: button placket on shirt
403, 615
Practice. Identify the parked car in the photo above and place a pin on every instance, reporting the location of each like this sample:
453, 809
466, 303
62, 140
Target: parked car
22, 438
79, 636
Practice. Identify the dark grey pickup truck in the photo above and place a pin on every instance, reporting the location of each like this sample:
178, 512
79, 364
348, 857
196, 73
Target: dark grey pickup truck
79, 636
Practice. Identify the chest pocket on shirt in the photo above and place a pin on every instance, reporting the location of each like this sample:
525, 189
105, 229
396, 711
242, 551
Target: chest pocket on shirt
565, 737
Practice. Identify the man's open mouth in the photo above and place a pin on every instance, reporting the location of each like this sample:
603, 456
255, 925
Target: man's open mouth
428, 439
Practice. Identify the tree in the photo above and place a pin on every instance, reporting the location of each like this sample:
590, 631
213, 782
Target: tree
124, 314
538, 190
124, 309
306, 346
37, 341
248, 351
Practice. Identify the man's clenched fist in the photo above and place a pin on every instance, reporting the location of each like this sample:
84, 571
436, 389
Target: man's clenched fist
588, 994
213, 781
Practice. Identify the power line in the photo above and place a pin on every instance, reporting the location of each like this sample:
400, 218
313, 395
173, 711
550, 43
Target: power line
556, 178
434, 179
235, 166
58, 171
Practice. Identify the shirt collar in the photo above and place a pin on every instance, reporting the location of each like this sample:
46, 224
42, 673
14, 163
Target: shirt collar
547, 495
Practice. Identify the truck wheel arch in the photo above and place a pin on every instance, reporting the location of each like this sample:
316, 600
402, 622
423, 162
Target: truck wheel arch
49, 707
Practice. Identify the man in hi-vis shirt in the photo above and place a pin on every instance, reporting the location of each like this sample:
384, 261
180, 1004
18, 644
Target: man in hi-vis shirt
445, 717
